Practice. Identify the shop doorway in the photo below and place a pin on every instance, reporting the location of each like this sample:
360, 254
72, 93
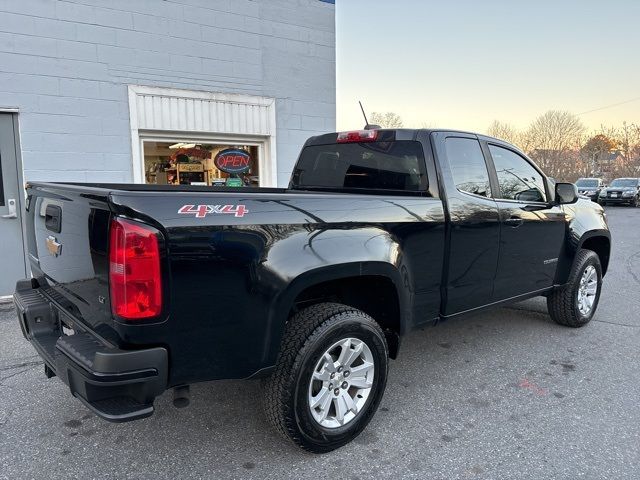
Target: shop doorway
206, 163
11, 207
205, 121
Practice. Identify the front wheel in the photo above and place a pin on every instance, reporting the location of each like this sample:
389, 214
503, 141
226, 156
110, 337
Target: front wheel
574, 304
635, 202
329, 378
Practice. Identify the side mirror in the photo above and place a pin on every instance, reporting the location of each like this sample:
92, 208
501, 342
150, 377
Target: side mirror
566, 193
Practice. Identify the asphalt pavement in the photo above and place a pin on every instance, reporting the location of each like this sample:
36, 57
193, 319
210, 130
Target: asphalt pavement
502, 394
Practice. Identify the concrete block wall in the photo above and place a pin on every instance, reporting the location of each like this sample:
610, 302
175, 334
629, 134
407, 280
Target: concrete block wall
66, 64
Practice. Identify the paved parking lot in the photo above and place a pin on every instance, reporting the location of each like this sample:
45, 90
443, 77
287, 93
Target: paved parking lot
503, 394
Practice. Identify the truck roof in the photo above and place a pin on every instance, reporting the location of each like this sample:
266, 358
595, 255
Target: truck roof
390, 134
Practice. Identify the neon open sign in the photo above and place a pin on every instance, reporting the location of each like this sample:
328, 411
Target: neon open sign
233, 160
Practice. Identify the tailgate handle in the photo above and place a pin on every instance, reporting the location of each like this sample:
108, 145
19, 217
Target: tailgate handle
11, 204
53, 218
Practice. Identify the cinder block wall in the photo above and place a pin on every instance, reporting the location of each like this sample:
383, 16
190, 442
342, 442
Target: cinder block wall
66, 66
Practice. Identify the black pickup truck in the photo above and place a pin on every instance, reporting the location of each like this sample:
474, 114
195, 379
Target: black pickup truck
138, 289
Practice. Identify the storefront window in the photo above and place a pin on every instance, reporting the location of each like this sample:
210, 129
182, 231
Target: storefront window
171, 163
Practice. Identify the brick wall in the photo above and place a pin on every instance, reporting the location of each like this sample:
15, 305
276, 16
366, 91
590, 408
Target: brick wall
66, 66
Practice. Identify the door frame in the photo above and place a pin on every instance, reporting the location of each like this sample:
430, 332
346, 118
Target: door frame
455, 199
505, 205
14, 112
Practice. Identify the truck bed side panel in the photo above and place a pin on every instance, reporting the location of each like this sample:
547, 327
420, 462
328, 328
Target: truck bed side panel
226, 271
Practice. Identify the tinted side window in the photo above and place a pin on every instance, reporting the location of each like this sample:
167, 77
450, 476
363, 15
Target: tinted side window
467, 166
517, 179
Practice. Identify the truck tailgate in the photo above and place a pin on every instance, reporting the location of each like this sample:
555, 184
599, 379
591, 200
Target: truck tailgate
67, 238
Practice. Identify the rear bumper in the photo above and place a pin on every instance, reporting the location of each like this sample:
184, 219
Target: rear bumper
118, 385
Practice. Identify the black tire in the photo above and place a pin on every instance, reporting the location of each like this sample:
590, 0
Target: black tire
634, 202
562, 303
307, 335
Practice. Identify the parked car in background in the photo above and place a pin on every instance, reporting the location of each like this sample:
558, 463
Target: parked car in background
621, 191
590, 187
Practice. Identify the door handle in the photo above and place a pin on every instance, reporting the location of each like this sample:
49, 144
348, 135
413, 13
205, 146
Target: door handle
13, 213
514, 222
535, 208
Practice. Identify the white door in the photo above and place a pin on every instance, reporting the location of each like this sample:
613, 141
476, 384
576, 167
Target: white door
12, 264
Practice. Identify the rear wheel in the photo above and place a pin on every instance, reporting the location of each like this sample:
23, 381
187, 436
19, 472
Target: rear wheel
575, 303
329, 378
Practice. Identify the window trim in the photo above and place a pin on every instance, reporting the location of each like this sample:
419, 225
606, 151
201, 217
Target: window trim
527, 160
475, 195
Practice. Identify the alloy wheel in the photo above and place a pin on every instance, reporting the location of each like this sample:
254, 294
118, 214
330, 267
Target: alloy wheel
341, 383
587, 290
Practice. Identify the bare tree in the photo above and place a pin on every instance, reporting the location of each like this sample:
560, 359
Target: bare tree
628, 139
556, 130
386, 119
596, 152
633, 143
619, 147
504, 131
557, 142
553, 140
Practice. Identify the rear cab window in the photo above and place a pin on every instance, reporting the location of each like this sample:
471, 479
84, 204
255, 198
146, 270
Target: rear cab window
369, 167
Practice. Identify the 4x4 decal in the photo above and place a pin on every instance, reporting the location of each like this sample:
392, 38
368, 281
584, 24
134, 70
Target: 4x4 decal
201, 211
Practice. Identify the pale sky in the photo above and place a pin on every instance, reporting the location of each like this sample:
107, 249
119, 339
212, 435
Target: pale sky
463, 64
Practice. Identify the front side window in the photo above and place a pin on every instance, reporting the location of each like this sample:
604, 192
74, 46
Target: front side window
517, 178
468, 167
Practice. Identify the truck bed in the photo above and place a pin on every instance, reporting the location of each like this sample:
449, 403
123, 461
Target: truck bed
223, 269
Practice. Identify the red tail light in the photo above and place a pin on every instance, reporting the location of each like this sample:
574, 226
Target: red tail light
357, 136
134, 270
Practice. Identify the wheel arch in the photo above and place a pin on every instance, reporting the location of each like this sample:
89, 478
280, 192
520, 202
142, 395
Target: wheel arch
376, 288
601, 245
598, 241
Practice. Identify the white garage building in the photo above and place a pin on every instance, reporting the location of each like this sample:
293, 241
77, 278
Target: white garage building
151, 91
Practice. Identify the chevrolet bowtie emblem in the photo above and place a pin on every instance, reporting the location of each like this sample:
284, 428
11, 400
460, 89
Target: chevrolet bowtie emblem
53, 246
